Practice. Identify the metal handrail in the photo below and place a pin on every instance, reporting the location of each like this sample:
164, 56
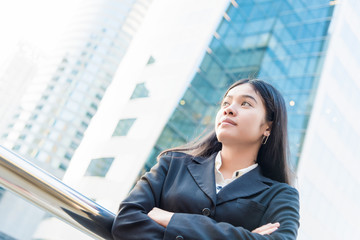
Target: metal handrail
49, 193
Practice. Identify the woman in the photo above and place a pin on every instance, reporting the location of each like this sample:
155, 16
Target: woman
232, 184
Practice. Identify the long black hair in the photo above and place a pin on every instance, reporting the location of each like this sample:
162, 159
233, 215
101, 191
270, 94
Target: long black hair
273, 157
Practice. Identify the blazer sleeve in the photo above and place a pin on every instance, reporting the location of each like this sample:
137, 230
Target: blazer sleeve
284, 208
132, 221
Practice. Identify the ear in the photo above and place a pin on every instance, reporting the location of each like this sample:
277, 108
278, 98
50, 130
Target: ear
268, 129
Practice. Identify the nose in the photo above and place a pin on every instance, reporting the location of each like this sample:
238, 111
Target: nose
229, 111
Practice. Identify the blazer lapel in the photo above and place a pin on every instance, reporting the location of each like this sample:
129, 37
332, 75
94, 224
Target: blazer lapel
246, 185
202, 170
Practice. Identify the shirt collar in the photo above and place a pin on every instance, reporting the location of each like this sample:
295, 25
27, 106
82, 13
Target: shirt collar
237, 173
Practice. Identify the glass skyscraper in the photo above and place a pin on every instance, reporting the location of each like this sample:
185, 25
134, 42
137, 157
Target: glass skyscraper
50, 133
280, 41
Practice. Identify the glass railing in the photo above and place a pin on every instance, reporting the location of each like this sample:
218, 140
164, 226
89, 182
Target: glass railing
49, 193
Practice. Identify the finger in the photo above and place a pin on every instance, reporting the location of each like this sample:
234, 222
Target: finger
268, 231
263, 227
266, 226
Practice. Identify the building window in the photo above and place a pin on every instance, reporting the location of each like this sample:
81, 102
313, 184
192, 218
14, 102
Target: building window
89, 115
99, 167
16, 147
151, 60
67, 156
79, 135
22, 137
98, 96
94, 106
123, 127
140, 91
62, 166
84, 124
74, 145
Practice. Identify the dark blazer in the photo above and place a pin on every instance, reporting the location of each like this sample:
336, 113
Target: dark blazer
185, 185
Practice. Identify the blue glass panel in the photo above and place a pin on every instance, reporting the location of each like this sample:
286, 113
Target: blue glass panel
268, 8
181, 122
245, 9
99, 167
220, 51
290, 18
152, 159
140, 91
204, 89
170, 138
123, 127
224, 29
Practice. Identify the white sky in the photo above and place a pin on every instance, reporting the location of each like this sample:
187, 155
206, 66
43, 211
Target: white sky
38, 22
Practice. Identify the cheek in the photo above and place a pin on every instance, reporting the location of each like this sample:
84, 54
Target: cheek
251, 122
217, 118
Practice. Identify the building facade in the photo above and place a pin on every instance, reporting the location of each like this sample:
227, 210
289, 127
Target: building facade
60, 108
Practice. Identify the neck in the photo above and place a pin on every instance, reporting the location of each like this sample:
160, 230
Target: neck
235, 157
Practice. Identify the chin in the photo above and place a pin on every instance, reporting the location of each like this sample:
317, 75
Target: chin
226, 138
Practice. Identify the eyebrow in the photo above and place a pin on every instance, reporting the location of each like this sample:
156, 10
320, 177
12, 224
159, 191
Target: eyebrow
243, 96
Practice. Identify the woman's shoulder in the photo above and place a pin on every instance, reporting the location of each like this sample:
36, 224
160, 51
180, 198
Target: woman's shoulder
174, 157
281, 187
176, 154
276, 185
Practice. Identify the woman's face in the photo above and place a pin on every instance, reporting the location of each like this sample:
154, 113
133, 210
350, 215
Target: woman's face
241, 118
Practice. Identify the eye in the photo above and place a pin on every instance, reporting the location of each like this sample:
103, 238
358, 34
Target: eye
246, 104
225, 104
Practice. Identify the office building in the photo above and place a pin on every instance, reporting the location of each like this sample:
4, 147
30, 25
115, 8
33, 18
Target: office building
61, 107
17, 74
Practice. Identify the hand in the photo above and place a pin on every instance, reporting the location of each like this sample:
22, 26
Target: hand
267, 229
160, 216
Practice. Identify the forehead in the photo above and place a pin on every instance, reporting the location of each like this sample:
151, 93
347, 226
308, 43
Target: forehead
244, 89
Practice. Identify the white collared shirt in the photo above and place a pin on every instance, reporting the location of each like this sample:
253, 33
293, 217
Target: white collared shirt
219, 178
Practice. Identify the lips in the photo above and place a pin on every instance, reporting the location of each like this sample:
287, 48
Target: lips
228, 121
